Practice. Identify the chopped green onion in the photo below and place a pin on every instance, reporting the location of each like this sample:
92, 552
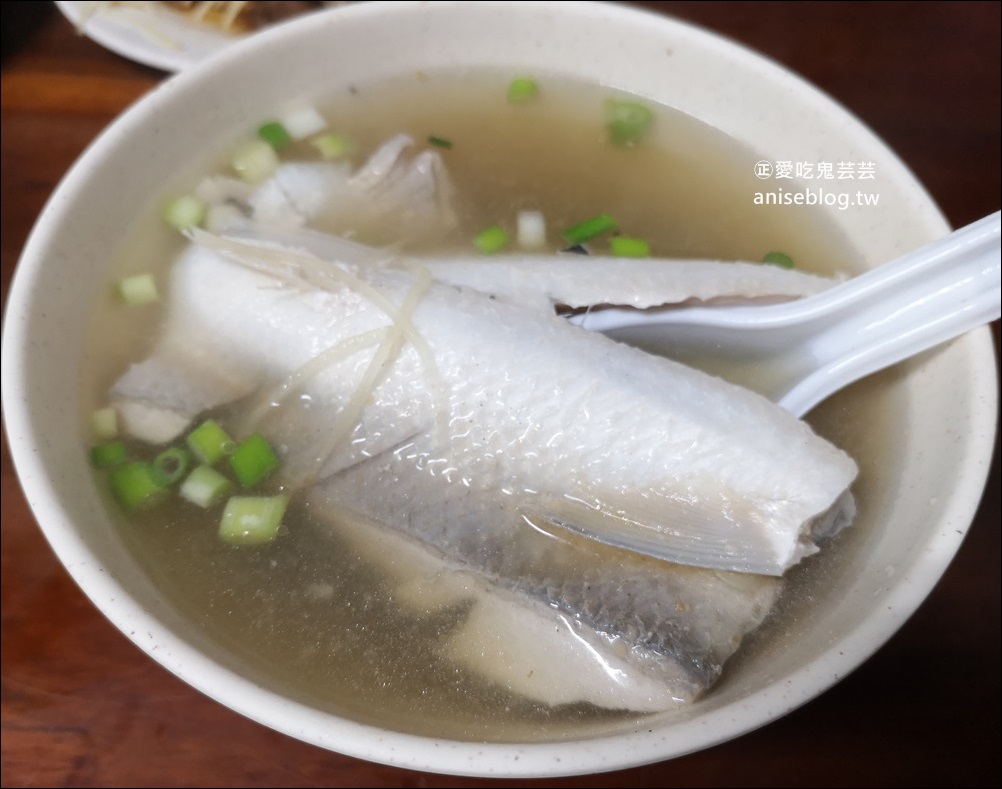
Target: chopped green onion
490, 240
275, 135
209, 442
106, 455
625, 247
254, 161
302, 122
253, 460
170, 465
531, 229
205, 486
627, 122
138, 289
522, 89
104, 423
333, 146
778, 259
440, 142
134, 485
584, 231
184, 212
252, 520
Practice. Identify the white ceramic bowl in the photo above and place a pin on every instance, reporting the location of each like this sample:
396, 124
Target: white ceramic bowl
948, 398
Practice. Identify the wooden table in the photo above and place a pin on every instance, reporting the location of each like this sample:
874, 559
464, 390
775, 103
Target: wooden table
83, 707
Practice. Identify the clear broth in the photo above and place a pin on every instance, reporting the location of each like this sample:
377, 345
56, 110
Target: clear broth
311, 619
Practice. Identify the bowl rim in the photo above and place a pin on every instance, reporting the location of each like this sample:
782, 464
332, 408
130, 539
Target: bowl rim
363, 741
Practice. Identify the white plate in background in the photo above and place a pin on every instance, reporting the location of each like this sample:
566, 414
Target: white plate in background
146, 33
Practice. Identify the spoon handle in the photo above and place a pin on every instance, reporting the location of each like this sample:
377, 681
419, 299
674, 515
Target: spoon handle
814, 346
899, 309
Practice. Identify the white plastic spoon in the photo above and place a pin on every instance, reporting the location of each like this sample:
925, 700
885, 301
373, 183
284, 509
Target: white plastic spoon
813, 347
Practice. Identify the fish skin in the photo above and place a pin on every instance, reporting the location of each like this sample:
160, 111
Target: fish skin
665, 630
666, 626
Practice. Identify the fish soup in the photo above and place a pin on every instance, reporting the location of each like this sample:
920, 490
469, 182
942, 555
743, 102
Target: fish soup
319, 613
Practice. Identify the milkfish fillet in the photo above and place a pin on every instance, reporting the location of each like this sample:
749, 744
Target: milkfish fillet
471, 430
